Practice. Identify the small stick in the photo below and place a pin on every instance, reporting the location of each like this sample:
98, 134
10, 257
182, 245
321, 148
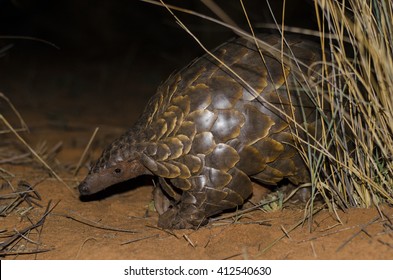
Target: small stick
286, 232
232, 256
313, 249
14, 158
26, 238
188, 240
357, 233
95, 224
85, 151
13, 253
139, 239
385, 243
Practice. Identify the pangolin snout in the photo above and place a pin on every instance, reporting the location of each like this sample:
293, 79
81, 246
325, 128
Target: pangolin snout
84, 188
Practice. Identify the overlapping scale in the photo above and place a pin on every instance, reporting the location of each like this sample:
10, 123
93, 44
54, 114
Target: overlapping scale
168, 189
214, 195
194, 163
240, 183
203, 143
269, 148
290, 145
269, 175
157, 130
182, 102
186, 142
257, 125
149, 162
170, 118
227, 125
173, 170
163, 152
233, 198
217, 178
223, 157
175, 146
184, 170
200, 96
181, 183
277, 107
227, 93
187, 128
203, 119
179, 115
251, 160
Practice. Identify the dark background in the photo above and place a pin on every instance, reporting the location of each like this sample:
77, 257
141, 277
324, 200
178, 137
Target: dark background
111, 55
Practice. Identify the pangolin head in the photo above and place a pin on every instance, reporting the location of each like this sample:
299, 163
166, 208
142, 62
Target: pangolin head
118, 162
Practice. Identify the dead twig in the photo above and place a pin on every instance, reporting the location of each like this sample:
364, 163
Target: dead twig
139, 239
357, 233
287, 232
14, 158
21, 234
24, 252
185, 236
25, 192
94, 224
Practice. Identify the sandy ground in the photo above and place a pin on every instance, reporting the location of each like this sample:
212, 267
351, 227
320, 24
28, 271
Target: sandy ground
121, 222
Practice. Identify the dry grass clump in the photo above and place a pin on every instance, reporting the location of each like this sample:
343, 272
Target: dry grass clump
357, 174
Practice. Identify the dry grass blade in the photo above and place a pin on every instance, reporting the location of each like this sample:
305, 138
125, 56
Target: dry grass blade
363, 77
16, 112
24, 252
15, 238
82, 245
33, 152
24, 193
219, 12
14, 158
85, 151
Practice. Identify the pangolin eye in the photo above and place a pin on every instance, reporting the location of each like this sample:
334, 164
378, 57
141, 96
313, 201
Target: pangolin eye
117, 170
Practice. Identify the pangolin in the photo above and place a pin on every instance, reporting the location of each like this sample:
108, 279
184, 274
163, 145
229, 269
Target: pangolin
217, 125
